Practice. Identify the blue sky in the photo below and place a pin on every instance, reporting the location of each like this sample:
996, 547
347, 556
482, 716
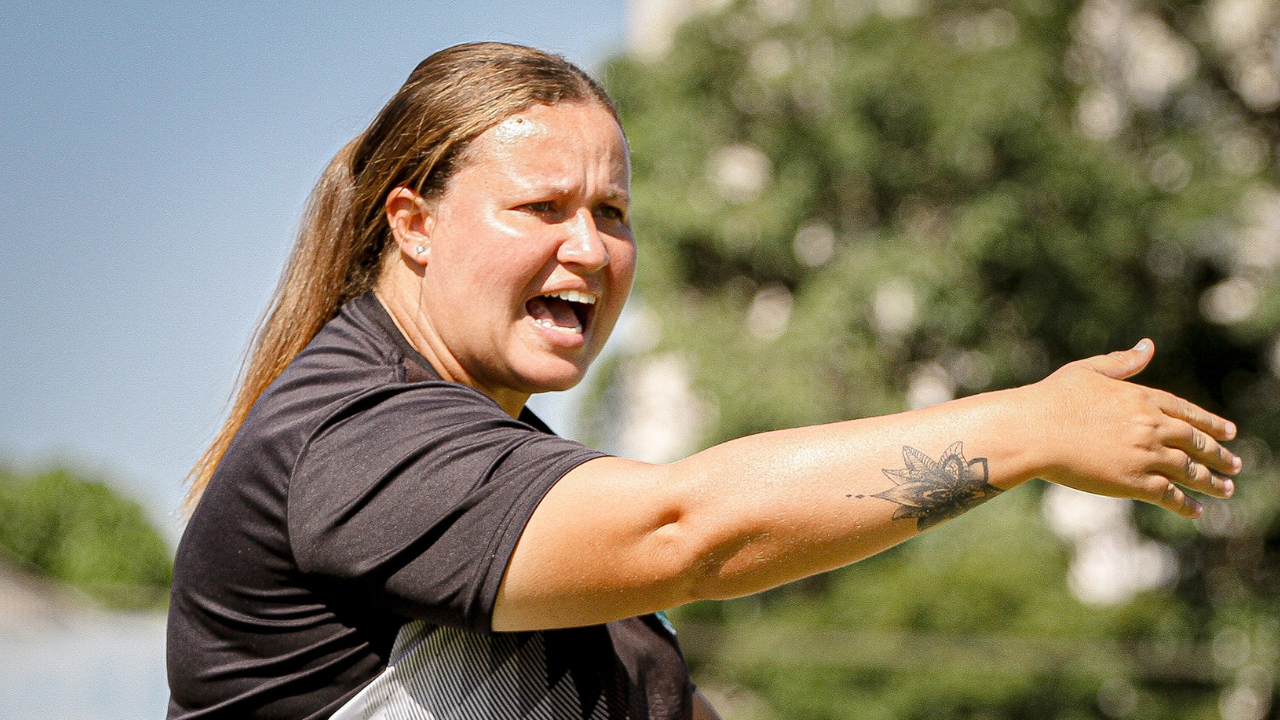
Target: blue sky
154, 160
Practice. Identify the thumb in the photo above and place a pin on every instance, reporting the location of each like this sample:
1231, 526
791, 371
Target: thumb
1122, 364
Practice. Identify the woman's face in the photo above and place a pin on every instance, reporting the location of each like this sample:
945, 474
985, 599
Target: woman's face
530, 254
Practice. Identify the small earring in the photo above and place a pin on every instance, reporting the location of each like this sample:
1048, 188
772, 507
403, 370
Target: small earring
420, 249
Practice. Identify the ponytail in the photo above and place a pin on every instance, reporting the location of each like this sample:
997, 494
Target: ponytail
303, 302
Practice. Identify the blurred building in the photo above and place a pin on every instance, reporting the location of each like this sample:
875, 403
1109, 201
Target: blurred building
62, 657
27, 602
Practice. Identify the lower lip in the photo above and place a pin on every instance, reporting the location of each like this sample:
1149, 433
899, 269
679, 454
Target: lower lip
559, 338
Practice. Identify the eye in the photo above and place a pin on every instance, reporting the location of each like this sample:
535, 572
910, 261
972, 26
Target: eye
611, 212
542, 206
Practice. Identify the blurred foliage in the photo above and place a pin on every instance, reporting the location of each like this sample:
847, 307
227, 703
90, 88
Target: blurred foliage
81, 532
849, 208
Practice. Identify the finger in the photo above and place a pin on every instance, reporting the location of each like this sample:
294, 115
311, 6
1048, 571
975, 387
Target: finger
1160, 490
1200, 448
1218, 427
1183, 470
1218, 486
1122, 364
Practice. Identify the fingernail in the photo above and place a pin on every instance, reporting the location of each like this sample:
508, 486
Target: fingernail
1236, 463
1228, 488
1231, 429
1142, 346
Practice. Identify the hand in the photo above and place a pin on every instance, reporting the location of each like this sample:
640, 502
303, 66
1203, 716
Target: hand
1111, 437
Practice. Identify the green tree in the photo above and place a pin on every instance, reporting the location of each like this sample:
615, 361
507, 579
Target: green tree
846, 209
83, 533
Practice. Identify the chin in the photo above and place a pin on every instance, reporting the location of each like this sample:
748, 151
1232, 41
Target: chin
558, 384
553, 377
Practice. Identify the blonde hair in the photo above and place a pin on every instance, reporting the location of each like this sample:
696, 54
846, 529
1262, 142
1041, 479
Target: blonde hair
417, 141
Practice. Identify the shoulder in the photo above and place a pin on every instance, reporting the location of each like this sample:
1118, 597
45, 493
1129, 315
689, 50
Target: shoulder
390, 395
411, 422
352, 356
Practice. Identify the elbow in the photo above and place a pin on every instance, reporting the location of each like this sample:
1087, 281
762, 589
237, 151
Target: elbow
705, 545
704, 562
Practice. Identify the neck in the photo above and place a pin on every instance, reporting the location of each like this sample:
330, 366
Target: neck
400, 300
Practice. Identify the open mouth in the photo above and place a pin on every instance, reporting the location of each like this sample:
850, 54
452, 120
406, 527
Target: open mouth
567, 311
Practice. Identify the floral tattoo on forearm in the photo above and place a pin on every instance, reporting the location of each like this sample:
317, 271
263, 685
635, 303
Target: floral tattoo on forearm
932, 491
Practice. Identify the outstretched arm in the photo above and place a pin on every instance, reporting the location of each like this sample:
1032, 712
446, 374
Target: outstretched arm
616, 538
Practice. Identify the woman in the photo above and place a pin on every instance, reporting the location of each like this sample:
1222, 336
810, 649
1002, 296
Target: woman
381, 529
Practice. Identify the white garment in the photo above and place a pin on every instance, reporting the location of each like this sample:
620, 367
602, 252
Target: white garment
438, 673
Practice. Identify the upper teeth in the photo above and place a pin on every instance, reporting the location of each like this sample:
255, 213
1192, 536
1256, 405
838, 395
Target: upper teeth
576, 296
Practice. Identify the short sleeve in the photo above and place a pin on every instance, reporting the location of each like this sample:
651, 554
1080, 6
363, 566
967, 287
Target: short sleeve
411, 498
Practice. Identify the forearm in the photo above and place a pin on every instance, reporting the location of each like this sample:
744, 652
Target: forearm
778, 506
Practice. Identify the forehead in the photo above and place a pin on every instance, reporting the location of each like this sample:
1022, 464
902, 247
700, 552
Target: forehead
556, 144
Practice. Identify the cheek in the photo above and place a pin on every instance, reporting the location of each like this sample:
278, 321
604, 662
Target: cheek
623, 264
472, 267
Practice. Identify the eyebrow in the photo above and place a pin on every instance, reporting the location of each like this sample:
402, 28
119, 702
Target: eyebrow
612, 194
618, 196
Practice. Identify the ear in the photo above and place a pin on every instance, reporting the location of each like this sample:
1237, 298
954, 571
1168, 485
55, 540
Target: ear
411, 219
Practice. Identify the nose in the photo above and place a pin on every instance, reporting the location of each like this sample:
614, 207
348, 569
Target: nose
583, 246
